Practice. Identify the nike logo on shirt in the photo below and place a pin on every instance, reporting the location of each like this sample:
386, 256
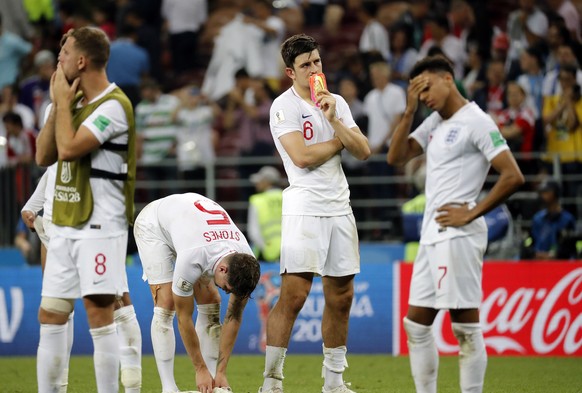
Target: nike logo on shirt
305, 116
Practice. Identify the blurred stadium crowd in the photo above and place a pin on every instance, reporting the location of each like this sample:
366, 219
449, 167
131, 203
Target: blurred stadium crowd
202, 75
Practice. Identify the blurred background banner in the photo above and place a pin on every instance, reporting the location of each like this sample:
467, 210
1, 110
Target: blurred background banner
371, 314
528, 309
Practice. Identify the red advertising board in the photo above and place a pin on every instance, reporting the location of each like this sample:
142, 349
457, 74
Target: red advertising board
529, 308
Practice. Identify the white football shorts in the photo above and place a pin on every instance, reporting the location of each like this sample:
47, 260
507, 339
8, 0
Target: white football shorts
157, 258
80, 267
447, 275
327, 246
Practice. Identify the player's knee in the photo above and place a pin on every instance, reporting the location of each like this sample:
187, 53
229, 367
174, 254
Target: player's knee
418, 335
131, 377
55, 310
341, 303
293, 303
469, 337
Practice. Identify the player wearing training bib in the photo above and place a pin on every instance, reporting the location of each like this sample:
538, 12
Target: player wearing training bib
461, 143
89, 133
318, 234
188, 244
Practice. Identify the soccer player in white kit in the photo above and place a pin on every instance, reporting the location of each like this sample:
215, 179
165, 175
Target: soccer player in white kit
128, 330
188, 244
319, 234
461, 143
86, 256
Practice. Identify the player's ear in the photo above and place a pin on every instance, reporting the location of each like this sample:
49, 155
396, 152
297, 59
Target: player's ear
290, 72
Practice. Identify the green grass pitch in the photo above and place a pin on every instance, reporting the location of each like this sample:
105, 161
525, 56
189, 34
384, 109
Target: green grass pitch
368, 374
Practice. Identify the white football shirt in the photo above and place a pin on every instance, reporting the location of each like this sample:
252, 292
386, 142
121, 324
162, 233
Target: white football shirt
458, 152
315, 191
201, 233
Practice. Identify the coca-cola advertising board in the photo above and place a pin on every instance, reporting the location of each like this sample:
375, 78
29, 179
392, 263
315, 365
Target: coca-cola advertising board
529, 308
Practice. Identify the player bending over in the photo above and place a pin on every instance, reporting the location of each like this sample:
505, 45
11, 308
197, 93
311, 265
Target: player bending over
188, 245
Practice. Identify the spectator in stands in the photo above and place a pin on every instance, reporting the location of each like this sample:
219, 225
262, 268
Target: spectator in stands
148, 37
562, 117
558, 35
491, 97
354, 68
13, 49
375, 36
525, 27
274, 33
384, 106
566, 57
475, 74
516, 124
551, 225
184, 18
532, 79
452, 46
102, 17
128, 63
238, 45
10, 103
21, 141
569, 13
415, 17
313, 11
403, 55
196, 139
156, 135
461, 20
265, 214
34, 90
247, 111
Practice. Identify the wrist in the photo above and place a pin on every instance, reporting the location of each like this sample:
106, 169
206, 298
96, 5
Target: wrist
409, 113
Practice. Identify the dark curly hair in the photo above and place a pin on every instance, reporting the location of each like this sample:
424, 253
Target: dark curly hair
243, 274
432, 64
295, 46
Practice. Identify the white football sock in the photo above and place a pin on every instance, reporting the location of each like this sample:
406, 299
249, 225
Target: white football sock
334, 364
472, 356
106, 358
208, 329
70, 332
129, 335
164, 343
50, 357
424, 357
274, 361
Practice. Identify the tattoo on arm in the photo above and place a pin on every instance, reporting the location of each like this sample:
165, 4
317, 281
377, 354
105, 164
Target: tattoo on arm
234, 311
220, 359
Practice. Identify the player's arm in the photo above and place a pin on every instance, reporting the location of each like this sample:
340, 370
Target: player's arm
184, 310
510, 179
305, 156
352, 138
402, 148
230, 328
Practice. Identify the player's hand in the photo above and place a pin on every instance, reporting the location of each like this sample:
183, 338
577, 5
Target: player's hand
204, 380
64, 93
220, 381
52, 88
28, 218
417, 85
454, 215
327, 104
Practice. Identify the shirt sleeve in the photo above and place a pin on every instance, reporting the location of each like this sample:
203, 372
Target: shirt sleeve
187, 271
36, 201
254, 229
107, 121
422, 132
487, 138
284, 118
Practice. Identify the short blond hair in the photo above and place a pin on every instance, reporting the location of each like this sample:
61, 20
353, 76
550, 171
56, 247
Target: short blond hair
92, 42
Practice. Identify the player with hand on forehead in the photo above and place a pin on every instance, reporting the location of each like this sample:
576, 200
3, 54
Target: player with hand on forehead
461, 143
188, 246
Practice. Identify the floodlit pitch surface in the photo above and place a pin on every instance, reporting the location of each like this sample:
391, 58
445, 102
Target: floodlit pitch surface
368, 374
